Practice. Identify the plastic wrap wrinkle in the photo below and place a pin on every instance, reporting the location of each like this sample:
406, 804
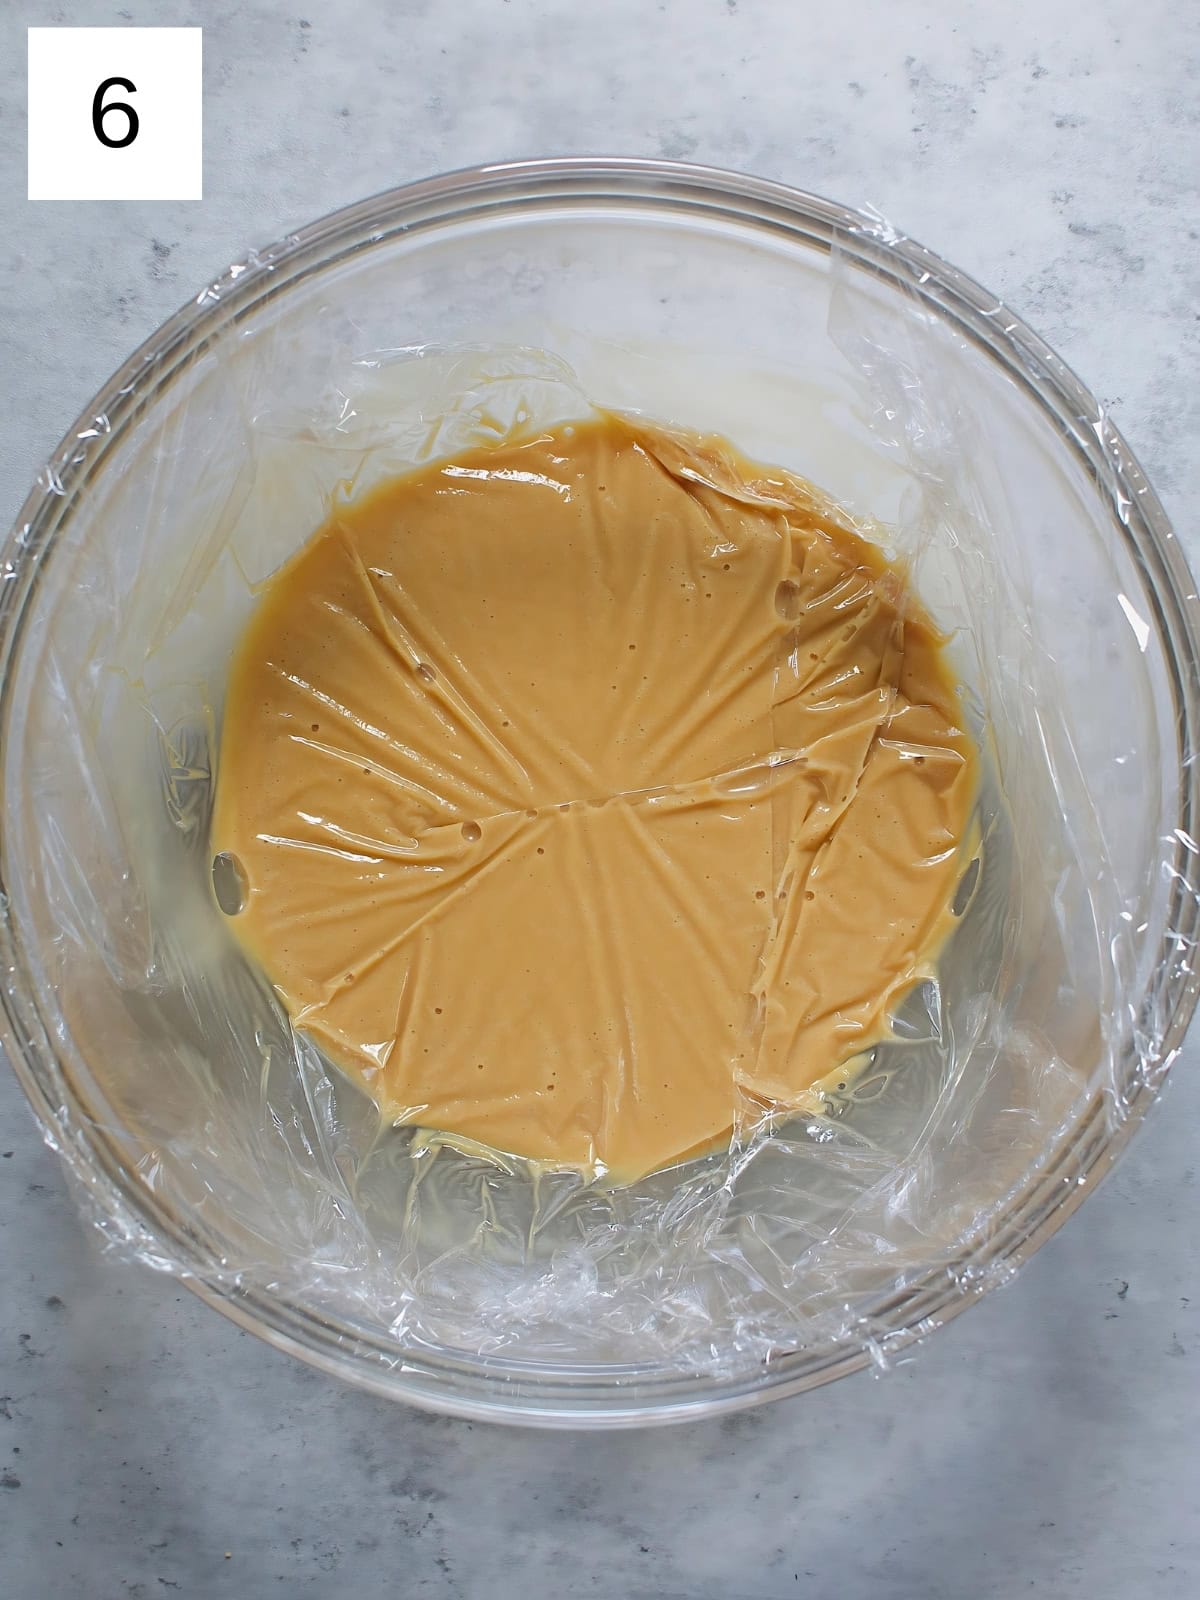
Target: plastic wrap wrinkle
806, 1231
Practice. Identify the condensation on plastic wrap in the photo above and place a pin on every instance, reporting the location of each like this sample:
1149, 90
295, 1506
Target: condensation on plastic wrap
273, 1170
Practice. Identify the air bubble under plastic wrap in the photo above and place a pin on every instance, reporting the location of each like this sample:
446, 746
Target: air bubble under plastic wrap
213, 1142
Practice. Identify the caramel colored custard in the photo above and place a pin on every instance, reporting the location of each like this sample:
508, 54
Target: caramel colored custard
583, 785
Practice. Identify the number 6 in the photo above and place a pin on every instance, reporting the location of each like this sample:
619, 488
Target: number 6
100, 111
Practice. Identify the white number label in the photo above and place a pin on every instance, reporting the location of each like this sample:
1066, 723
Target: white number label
115, 114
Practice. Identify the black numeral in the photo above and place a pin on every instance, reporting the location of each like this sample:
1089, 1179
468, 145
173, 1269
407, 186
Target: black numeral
100, 111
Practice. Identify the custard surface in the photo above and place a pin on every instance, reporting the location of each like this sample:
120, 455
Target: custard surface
585, 784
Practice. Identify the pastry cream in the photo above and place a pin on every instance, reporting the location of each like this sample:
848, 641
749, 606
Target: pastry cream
581, 785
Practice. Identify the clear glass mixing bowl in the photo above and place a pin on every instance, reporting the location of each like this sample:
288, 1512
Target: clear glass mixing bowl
720, 301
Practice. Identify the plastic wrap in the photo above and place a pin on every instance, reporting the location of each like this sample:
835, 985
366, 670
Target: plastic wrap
233, 1154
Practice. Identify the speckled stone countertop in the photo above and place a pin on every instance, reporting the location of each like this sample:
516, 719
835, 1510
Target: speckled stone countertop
1046, 1442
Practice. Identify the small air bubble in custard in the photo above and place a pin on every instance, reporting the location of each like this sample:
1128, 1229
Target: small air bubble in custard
229, 883
966, 888
787, 600
472, 832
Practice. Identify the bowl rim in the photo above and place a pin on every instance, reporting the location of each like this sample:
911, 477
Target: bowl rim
501, 1390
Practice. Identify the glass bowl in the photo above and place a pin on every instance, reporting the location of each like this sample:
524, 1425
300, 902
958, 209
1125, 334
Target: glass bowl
721, 301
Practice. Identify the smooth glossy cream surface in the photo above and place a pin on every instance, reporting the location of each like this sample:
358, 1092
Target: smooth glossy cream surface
585, 784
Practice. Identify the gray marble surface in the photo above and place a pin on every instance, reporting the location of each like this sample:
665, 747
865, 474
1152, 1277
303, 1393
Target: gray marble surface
1046, 1443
